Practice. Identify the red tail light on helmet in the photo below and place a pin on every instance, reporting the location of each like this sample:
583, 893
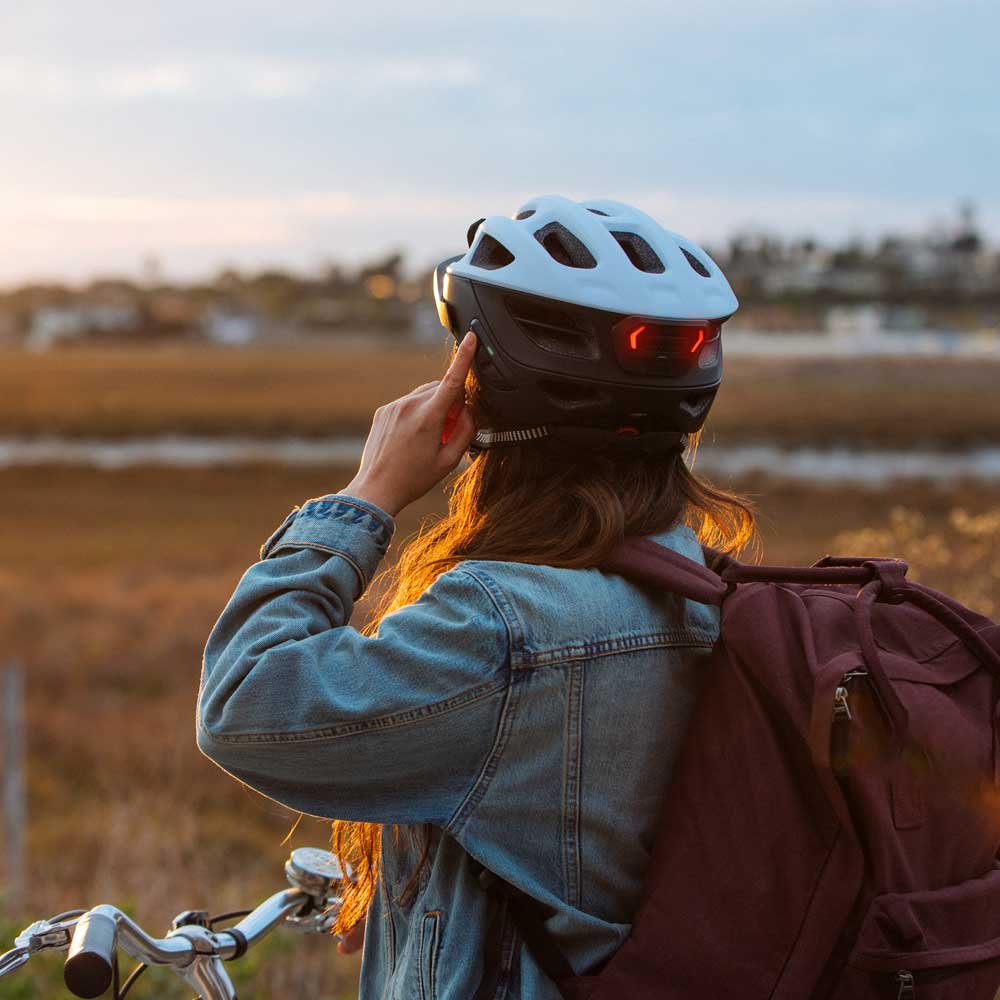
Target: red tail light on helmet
658, 348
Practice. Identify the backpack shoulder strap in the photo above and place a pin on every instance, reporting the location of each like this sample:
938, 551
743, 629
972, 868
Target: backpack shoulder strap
646, 561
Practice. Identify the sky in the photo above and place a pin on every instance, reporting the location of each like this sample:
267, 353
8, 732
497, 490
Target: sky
214, 133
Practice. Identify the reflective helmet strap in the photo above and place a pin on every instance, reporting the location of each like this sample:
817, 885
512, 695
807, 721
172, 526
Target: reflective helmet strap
490, 439
651, 442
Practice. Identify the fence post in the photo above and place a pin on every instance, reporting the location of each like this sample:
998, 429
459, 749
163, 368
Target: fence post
14, 808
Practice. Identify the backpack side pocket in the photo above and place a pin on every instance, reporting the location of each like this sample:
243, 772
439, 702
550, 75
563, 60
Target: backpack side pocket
930, 945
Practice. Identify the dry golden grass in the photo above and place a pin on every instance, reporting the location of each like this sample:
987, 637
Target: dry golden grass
863, 402
960, 556
109, 586
111, 581
329, 391
203, 390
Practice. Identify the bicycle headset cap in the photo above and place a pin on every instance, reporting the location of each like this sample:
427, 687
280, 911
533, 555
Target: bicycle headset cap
595, 324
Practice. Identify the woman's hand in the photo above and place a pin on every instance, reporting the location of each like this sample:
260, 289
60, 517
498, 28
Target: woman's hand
353, 940
418, 439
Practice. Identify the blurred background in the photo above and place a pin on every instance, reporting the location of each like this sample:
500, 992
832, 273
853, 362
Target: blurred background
217, 224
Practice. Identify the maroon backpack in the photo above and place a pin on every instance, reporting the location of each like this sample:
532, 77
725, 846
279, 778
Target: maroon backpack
832, 825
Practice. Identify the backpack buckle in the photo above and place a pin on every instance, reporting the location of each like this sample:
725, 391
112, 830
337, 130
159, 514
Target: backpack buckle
891, 574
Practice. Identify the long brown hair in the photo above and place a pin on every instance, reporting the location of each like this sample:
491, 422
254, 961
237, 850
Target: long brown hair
537, 503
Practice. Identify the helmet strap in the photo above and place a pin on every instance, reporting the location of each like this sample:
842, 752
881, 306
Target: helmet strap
491, 439
649, 442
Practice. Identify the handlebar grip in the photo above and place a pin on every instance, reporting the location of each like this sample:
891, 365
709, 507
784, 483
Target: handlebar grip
88, 970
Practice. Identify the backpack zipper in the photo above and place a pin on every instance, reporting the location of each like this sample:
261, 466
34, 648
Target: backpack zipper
841, 721
907, 990
841, 706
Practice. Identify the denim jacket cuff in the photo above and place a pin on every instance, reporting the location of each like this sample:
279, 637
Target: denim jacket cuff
341, 525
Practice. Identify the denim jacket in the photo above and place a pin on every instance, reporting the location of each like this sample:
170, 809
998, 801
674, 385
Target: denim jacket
529, 716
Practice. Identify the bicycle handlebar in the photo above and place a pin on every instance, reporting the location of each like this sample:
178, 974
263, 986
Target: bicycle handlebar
89, 970
193, 949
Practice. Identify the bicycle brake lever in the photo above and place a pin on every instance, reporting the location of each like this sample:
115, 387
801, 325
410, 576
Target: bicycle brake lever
36, 937
42, 934
13, 959
315, 920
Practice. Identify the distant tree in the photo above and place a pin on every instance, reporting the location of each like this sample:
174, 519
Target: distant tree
967, 239
891, 263
391, 266
229, 281
274, 292
851, 254
335, 280
120, 289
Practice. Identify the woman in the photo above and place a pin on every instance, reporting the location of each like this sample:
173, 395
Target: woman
515, 709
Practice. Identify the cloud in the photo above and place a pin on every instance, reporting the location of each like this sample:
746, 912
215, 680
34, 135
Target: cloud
136, 83
241, 130
227, 75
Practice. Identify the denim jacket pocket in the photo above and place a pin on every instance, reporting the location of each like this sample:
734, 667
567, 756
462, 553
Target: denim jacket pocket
430, 943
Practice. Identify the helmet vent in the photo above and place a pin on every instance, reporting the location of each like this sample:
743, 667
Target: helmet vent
563, 247
470, 235
554, 330
597, 211
573, 396
696, 406
524, 215
696, 265
491, 254
642, 255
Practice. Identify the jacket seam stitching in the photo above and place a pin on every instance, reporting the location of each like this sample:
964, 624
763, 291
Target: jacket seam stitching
390, 933
383, 722
285, 543
275, 536
505, 723
305, 512
486, 772
548, 657
571, 785
509, 615
479, 788
509, 942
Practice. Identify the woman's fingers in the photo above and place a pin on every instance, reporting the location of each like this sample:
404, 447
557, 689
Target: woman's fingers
353, 940
452, 386
415, 441
450, 393
451, 418
426, 387
461, 436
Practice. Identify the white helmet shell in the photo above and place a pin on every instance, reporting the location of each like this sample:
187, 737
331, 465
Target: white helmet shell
619, 260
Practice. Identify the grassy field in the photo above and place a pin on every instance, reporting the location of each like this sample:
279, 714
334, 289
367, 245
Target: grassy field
109, 586
319, 392
111, 581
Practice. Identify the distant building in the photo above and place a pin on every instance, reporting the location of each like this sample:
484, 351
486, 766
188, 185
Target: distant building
905, 319
872, 318
173, 310
232, 327
52, 324
9, 332
855, 320
321, 314
855, 281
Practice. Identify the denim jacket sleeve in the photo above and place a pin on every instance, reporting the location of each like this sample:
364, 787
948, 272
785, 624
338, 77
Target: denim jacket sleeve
394, 728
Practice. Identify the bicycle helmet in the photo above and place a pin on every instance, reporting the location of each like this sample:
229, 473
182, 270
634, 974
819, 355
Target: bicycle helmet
593, 322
